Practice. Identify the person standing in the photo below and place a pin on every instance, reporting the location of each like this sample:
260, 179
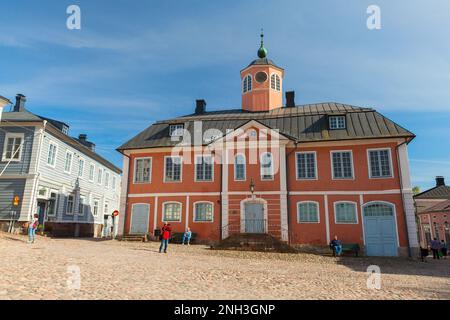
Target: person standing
165, 236
435, 248
32, 226
336, 246
444, 249
187, 236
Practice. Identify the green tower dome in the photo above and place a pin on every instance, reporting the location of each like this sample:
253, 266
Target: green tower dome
262, 52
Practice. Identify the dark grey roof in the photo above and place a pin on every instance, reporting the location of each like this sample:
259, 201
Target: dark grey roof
263, 61
27, 116
440, 192
303, 123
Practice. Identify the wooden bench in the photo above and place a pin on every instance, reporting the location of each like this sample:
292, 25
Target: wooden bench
348, 247
177, 237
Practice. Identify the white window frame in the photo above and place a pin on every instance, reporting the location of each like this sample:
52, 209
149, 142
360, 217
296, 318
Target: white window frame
13, 135
52, 143
271, 167
106, 181
56, 202
81, 159
245, 166
276, 80
114, 181
356, 212
315, 166
71, 161
70, 213
194, 212
106, 208
176, 130
245, 81
337, 122
195, 167
390, 163
351, 160
181, 170
151, 169
95, 212
91, 166
100, 176
318, 212
81, 199
164, 211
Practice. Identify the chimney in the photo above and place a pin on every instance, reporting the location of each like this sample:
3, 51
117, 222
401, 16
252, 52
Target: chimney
440, 181
290, 99
200, 106
82, 137
20, 103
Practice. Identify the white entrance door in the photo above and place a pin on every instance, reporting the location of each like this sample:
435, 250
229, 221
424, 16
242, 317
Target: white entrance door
139, 218
254, 218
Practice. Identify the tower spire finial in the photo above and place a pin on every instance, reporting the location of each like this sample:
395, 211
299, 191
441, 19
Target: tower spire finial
262, 52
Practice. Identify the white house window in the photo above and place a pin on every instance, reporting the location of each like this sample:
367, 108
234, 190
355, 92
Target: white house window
172, 169
172, 211
342, 165
266, 166
91, 172
275, 82
239, 167
337, 122
203, 212
106, 208
81, 206
176, 130
114, 183
306, 165
69, 207
247, 84
345, 212
142, 170
51, 156
95, 207
80, 167
12, 149
65, 129
68, 162
99, 175
106, 179
51, 205
203, 168
307, 211
380, 163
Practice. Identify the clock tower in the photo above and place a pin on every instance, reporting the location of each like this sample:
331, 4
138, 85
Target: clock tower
262, 83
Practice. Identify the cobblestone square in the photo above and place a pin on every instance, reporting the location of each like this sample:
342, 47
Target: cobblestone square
134, 270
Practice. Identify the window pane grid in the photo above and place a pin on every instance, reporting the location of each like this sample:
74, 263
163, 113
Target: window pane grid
172, 212
380, 165
345, 213
143, 170
307, 212
173, 169
203, 212
204, 168
342, 165
239, 167
306, 166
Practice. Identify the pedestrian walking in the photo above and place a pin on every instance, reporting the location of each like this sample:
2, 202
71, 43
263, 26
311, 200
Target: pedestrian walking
444, 249
32, 226
164, 237
435, 247
187, 236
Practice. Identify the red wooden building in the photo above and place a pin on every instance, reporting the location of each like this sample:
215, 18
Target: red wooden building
302, 173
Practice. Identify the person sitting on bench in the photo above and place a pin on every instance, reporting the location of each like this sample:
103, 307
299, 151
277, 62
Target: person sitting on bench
336, 246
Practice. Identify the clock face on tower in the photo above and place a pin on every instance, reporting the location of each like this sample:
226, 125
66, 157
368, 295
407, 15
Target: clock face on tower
260, 77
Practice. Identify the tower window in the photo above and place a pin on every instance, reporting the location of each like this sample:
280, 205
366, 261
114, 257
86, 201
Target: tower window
275, 82
247, 84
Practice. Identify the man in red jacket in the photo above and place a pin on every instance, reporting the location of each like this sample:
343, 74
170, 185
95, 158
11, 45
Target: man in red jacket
165, 236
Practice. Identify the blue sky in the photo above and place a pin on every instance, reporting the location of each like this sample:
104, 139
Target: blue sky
135, 62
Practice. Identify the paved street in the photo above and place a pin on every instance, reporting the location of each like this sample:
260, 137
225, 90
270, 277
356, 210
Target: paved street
127, 270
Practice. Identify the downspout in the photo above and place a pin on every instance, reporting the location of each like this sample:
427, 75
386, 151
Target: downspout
403, 197
126, 196
38, 156
287, 190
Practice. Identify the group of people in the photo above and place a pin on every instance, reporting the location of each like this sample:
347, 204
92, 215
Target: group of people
438, 248
165, 234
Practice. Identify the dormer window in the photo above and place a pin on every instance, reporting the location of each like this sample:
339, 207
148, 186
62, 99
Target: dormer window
176, 130
247, 84
337, 122
65, 129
